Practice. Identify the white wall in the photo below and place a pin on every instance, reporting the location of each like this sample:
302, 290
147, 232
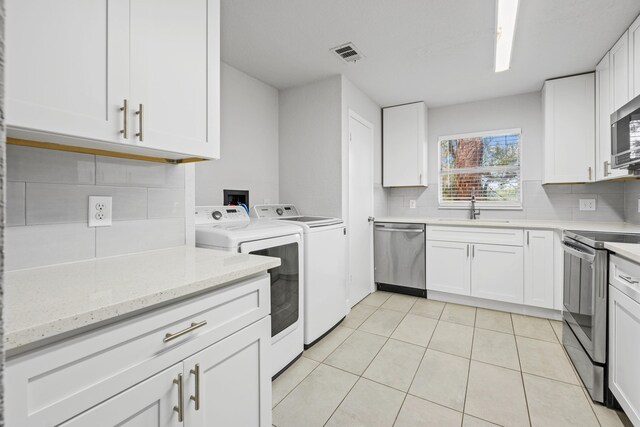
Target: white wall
357, 101
249, 142
310, 147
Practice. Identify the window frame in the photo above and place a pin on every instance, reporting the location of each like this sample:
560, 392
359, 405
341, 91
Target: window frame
463, 204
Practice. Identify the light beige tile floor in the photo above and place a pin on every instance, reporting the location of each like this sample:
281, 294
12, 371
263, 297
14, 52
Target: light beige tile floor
405, 361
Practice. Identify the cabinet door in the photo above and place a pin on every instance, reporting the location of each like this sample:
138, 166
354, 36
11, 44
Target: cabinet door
175, 73
148, 404
634, 59
497, 273
231, 380
539, 285
404, 153
67, 67
624, 352
620, 72
448, 267
569, 129
603, 123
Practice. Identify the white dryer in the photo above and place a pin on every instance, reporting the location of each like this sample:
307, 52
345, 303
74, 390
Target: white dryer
229, 228
325, 267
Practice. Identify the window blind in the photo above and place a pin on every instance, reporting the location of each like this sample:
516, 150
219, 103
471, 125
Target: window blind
487, 164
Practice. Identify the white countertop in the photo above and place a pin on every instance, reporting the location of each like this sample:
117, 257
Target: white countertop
41, 303
628, 250
520, 223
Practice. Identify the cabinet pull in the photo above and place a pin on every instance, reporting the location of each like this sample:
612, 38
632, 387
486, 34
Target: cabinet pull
125, 121
196, 397
473, 251
589, 173
467, 251
169, 336
527, 238
140, 114
420, 178
180, 407
606, 168
630, 280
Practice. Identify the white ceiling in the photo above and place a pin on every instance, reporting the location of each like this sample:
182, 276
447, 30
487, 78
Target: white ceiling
439, 51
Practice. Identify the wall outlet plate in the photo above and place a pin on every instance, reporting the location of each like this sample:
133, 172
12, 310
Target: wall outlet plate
412, 204
587, 204
100, 211
638, 205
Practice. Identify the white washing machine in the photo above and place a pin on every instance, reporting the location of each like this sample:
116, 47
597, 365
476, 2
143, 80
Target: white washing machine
229, 228
325, 267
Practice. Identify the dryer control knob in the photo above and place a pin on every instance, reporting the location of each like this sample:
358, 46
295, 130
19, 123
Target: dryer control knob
279, 211
216, 215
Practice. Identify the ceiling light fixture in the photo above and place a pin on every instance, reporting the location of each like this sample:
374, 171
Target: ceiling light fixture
506, 12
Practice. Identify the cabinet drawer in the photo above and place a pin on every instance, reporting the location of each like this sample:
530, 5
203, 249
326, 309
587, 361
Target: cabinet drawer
492, 236
50, 385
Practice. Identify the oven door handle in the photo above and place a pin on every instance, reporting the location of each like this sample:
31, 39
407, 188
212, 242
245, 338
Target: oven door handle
578, 253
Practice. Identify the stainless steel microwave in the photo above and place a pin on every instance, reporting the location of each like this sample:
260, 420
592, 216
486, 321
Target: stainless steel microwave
625, 137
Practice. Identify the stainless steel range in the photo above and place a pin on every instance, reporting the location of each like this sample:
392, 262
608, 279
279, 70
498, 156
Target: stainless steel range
584, 335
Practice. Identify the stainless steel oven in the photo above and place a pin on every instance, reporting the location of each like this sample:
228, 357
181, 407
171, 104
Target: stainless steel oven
585, 312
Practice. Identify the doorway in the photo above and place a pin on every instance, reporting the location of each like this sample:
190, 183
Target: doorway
360, 208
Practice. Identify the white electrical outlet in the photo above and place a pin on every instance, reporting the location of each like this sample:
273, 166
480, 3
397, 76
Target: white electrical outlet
99, 211
587, 204
638, 205
412, 204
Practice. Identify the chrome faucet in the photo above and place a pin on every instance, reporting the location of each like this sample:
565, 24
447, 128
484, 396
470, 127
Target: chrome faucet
474, 213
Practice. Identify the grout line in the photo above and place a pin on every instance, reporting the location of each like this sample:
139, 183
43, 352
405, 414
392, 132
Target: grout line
296, 386
524, 389
466, 389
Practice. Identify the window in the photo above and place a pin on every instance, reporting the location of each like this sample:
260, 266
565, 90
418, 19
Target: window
485, 162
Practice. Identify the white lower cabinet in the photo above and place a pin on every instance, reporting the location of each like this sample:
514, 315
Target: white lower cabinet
227, 382
204, 361
507, 265
148, 404
496, 273
448, 268
539, 286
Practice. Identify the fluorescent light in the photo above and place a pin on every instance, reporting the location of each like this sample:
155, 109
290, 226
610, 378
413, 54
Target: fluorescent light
507, 10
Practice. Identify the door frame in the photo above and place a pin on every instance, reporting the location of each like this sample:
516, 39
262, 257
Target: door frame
355, 116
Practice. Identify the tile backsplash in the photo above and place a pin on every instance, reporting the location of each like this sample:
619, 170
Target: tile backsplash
47, 203
549, 202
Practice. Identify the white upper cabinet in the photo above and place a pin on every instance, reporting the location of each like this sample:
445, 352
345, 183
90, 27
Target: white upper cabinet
404, 150
569, 129
68, 82
174, 55
619, 57
67, 67
634, 59
603, 123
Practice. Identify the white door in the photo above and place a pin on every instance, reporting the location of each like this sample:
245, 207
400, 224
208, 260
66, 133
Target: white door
624, 352
619, 55
497, 273
175, 74
230, 382
359, 228
148, 404
448, 267
67, 67
634, 59
538, 269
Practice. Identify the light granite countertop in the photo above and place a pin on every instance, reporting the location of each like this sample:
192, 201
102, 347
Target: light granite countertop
520, 223
47, 302
627, 250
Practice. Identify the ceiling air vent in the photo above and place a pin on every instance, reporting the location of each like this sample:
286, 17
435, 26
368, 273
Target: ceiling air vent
347, 52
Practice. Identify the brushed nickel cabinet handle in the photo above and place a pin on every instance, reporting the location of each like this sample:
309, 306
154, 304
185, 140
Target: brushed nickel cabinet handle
589, 173
140, 114
467, 251
169, 336
606, 168
180, 407
527, 238
125, 122
196, 397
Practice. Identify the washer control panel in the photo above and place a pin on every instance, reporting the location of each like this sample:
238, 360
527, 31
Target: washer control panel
274, 211
220, 214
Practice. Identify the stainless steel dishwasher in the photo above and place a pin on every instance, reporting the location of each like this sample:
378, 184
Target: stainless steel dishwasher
399, 257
